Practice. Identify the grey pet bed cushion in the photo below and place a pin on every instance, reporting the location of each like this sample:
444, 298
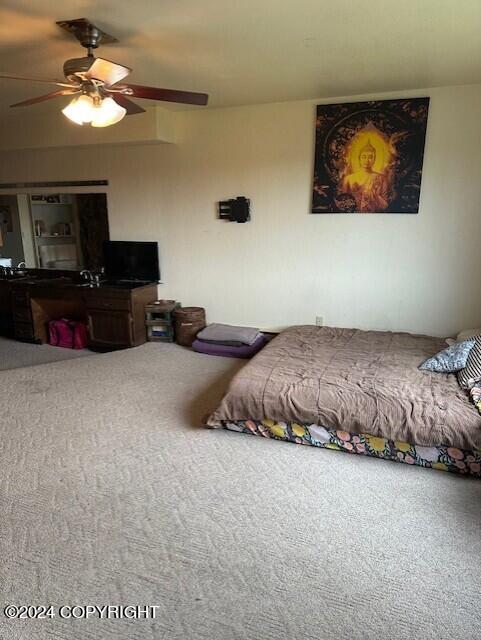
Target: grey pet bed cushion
228, 333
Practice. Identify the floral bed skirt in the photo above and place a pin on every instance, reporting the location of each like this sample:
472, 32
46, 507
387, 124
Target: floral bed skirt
467, 462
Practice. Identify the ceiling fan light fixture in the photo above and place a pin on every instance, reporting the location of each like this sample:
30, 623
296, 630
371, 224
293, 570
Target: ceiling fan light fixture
80, 110
99, 113
92, 79
107, 113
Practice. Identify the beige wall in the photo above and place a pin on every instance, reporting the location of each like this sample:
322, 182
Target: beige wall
402, 272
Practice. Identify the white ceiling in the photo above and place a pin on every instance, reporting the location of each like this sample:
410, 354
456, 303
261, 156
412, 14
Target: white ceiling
252, 51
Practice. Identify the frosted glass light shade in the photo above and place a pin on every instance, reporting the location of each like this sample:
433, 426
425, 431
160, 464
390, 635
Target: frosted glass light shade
80, 110
83, 110
107, 113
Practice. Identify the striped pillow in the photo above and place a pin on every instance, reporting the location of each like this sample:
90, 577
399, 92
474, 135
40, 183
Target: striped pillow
471, 373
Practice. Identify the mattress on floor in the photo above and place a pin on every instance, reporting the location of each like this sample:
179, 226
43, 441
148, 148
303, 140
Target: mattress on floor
358, 382
443, 458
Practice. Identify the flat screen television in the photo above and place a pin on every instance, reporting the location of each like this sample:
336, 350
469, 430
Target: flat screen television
132, 260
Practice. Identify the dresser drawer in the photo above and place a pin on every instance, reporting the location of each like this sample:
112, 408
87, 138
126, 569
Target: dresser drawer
20, 298
23, 331
22, 314
112, 304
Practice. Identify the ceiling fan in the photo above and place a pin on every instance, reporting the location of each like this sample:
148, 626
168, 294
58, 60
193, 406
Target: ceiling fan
101, 99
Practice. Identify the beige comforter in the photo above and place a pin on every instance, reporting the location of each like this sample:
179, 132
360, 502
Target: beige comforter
357, 381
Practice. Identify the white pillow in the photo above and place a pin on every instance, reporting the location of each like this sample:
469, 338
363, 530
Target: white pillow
467, 333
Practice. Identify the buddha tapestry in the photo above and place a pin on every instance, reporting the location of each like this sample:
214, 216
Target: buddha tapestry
369, 156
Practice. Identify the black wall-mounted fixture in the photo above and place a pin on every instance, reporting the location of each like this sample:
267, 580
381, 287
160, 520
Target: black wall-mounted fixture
235, 210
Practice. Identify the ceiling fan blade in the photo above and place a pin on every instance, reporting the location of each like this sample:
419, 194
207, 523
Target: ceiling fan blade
168, 95
127, 104
47, 96
107, 71
7, 76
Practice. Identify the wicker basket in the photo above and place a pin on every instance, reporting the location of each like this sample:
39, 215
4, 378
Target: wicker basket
188, 321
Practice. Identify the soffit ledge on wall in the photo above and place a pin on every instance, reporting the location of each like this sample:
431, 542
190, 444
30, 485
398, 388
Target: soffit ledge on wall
52, 130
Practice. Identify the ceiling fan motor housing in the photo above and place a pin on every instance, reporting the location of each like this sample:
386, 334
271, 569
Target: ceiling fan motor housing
75, 66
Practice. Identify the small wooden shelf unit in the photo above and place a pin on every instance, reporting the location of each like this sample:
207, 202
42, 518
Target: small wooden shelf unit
159, 320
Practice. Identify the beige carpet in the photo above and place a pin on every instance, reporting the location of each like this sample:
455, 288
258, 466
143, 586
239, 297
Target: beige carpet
15, 354
109, 495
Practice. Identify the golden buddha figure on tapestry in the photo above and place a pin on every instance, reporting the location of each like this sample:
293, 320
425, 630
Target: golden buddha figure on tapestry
370, 189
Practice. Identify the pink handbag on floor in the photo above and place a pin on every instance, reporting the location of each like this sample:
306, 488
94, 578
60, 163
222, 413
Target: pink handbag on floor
70, 334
